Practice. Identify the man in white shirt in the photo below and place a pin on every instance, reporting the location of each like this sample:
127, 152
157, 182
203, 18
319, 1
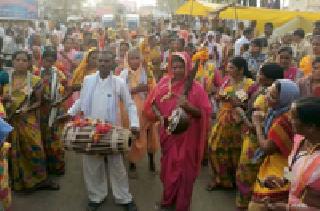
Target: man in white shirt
210, 42
244, 39
99, 99
218, 50
58, 32
164, 48
301, 46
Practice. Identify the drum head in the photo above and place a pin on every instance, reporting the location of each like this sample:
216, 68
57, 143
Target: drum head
180, 121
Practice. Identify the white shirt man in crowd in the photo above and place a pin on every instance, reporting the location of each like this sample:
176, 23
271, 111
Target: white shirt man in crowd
99, 99
301, 47
244, 39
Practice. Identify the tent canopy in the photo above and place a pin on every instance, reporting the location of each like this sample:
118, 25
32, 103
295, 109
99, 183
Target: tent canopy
214, 7
292, 25
193, 8
262, 15
198, 8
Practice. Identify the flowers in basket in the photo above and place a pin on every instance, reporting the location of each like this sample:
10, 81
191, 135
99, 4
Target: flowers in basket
241, 95
230, 93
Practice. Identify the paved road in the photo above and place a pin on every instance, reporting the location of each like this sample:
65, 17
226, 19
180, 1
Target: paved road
146, 191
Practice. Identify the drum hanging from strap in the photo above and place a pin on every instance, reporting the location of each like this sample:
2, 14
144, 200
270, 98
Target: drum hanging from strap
178, 122
86, 140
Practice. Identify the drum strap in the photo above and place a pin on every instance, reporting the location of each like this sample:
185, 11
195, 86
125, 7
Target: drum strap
114, 140
77, 129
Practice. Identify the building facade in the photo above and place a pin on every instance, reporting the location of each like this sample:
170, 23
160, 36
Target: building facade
304, 5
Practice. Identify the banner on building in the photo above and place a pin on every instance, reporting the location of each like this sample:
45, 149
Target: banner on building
19, 9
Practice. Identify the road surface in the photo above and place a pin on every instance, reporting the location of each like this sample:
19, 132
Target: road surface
146, 190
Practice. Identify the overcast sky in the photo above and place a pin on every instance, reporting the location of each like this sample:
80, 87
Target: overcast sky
142, 2
139, 2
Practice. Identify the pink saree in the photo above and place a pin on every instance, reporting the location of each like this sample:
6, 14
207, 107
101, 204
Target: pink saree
181, 154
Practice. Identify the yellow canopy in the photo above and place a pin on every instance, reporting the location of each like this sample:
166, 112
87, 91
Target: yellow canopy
214, 7
262, 15
198, 8
194, 8
297, 22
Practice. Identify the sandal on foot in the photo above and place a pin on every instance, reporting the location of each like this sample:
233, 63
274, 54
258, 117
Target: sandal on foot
48, 185
159, 207
93, 206
216, 187
212, 186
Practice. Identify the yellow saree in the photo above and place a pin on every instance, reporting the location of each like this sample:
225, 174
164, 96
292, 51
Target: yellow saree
28, 162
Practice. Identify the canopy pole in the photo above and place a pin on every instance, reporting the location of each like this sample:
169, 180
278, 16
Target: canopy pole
191, 11
236, 16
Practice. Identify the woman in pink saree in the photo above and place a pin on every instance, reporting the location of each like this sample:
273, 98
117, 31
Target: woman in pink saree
181, 154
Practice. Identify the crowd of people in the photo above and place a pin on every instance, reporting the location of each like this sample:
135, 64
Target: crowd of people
251, 103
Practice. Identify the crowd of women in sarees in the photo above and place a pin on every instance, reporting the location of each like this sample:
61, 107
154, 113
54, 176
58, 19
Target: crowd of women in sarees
244, 153
22, 100
262, 145
252, 134
248, 129
33, 103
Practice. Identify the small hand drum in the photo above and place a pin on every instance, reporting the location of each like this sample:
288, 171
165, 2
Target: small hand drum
178, 122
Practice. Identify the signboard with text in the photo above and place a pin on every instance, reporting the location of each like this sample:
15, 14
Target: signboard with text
19, 9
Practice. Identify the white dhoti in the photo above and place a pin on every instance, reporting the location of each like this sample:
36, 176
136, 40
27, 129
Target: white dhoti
95, 177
